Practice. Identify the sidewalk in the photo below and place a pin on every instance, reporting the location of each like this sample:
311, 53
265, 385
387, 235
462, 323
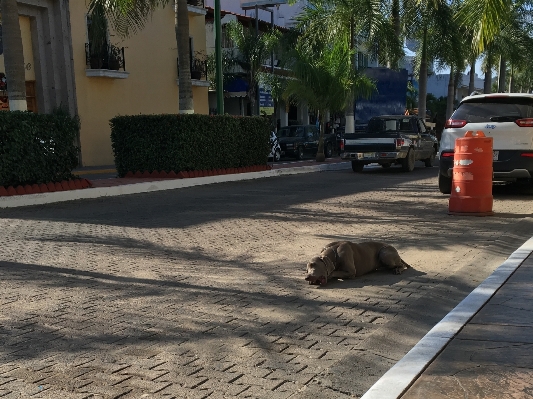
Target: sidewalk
482, 349
113, 186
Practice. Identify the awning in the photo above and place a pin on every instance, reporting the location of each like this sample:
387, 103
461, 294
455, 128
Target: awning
238, 87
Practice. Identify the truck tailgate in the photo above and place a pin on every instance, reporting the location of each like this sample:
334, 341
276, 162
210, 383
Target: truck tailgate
365, 143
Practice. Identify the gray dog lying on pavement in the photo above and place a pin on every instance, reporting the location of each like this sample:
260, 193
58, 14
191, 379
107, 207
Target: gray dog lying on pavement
345, 259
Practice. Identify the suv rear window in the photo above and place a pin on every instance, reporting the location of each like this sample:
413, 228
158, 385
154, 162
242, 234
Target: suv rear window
494, 109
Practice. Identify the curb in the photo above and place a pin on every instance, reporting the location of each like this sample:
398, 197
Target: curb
145, 187
395, 382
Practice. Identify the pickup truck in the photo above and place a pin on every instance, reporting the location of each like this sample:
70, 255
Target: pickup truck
300, 140
391, 139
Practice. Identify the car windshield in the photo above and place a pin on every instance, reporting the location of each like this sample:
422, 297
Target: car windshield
380, 125
291, 131
494, 109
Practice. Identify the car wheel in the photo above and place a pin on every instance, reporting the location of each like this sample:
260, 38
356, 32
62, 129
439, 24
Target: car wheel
445, 184
408, 163
329, 151
429, 161
277, 155
385, 165
300, 153
357, 166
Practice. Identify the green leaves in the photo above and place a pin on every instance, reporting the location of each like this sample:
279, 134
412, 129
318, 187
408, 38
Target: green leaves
188, 142
326, 80
37, 148
486, 17
126, 16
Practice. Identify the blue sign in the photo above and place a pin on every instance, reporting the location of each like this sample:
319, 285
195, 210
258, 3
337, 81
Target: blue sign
266, 103
390, 97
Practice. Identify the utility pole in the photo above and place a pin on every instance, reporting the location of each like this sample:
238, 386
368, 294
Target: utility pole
218, 60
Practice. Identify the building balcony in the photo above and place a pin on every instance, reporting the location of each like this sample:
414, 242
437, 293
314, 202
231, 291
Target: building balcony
198, 72
196, 7
108, 62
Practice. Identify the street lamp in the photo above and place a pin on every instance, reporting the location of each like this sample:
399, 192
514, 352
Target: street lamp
218, 60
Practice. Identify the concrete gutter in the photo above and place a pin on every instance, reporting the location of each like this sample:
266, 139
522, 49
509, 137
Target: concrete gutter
145, 187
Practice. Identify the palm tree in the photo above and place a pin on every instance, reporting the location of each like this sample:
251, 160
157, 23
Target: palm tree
129, 16
13, 56
254, 49
324, 78
486, 17
427, 19
350, 20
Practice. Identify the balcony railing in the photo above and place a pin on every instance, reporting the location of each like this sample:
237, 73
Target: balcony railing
196, 3
198, 68
108, 57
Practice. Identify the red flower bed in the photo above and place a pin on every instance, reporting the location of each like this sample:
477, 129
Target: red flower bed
76, 184
185, 174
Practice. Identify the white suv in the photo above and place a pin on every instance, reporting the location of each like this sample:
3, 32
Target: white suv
508, 118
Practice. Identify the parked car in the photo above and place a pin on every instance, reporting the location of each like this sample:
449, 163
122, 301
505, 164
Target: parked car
390, 139
275, 149
300, 140
508, 119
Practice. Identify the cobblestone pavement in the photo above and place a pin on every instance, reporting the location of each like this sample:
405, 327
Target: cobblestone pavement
199, 292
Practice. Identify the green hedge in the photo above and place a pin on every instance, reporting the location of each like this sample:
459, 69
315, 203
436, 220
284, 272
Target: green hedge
37, 148
188, 142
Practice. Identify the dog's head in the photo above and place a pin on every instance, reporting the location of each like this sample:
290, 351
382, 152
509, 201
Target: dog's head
317, 272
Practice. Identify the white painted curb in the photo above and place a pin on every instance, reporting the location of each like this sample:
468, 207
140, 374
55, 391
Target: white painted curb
400, 377
145, 187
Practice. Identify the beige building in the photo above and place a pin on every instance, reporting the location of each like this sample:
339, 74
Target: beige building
137, 75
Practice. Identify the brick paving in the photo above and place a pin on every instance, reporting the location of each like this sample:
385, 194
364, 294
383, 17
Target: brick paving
199, 292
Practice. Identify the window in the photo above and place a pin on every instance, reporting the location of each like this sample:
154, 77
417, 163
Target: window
495, 109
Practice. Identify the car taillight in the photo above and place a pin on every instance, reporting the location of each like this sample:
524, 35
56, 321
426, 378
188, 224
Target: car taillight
527, 154
342, 145
447, 154
455, 123
399, 143
526, 122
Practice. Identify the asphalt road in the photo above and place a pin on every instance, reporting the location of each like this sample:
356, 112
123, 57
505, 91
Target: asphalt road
199, 292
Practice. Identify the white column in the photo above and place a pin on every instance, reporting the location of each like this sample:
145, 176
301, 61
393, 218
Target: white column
283, 116
303, 114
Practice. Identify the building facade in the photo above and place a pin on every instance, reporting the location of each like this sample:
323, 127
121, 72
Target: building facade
134, 75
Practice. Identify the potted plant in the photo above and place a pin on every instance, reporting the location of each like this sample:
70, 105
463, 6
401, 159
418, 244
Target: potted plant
198, 65
115, 58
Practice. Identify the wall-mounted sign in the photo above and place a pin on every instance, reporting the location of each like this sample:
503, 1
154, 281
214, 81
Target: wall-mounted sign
266, 103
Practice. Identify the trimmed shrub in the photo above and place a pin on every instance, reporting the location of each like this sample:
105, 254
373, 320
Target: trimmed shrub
37, 148
188, 142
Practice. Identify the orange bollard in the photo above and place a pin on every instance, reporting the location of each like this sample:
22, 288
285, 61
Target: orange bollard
472, 176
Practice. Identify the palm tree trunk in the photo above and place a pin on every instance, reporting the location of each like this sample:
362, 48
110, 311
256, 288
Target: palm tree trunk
501, 75
471, 83
186, 105
13, 56
349, 111
456, 79
511, 89
320, 157
449, 99
395, 11
423, 78
487, 84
